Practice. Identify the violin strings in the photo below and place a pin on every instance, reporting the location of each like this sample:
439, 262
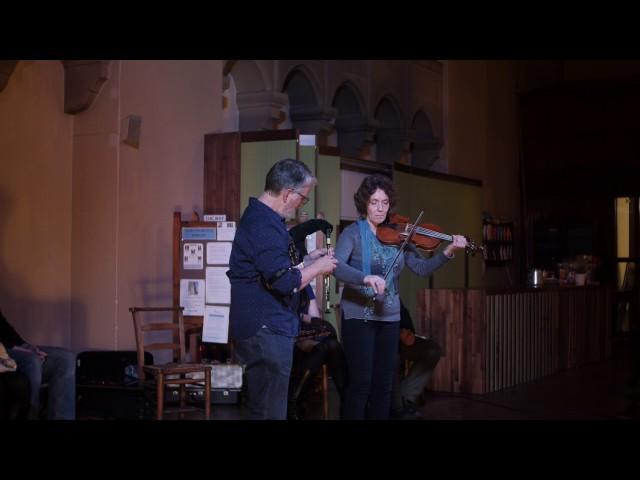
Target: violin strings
441, 236
432, 233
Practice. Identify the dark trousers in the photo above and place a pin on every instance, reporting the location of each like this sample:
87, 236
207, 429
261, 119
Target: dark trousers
371, 349
424, 355
267, 357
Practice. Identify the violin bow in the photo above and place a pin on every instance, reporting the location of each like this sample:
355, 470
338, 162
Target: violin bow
404, 244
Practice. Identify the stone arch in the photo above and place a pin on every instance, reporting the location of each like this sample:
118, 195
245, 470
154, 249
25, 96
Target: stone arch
392, 135
301, 86
422, 125
354, 130
247, 75
306, 112
425, 148
259, 106
388, 112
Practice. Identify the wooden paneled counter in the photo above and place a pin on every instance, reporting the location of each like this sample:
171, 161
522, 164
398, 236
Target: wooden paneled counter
496, 339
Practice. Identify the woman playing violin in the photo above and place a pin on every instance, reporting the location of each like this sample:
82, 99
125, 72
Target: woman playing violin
370, 305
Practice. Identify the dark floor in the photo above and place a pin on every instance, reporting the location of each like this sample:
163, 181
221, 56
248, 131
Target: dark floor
596, 391
593, 392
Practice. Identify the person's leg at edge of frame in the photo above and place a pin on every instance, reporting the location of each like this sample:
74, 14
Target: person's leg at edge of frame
30, 365
59, 372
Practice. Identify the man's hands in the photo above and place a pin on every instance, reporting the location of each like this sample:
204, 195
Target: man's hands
321, 264
315, 255
326, 264
320, 259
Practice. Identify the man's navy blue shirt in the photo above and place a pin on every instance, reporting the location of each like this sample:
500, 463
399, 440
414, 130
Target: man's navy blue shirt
260, 250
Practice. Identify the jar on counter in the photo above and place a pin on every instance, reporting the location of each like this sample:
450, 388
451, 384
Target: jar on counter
536, 277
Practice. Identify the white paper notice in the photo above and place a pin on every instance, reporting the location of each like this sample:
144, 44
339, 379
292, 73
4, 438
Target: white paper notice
218, 253
226, 231
218, 286
215, 328
192, 256
192, 296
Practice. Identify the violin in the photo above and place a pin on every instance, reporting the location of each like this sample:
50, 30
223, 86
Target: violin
426, 236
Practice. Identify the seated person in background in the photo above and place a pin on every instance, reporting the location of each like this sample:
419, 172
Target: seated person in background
316, 344
14, 389
424, 354
54, 366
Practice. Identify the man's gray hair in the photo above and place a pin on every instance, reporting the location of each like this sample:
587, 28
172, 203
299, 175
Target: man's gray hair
288, 173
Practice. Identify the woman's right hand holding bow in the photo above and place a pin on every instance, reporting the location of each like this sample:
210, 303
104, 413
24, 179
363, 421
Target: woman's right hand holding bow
376, 283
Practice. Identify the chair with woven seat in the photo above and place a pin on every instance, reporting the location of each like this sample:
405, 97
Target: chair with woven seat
165, 377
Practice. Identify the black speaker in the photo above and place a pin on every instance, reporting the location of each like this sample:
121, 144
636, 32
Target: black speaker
106, 385
109, 367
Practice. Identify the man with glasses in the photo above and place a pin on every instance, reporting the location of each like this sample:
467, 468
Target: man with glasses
266, 278
305, 199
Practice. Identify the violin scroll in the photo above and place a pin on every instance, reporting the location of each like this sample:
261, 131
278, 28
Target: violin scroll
472, 248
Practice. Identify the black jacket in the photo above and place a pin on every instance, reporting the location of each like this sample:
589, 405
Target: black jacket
8, 336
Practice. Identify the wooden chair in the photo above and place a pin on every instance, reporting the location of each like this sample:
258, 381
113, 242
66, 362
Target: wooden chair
325, 392
322, 384
166, 376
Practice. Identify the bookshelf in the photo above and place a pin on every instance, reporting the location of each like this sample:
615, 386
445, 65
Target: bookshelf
497, 238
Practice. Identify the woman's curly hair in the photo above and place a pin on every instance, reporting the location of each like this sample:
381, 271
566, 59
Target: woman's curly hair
368, 187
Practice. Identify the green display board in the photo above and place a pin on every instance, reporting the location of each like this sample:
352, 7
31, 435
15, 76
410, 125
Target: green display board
308, 156
256, 158
454, 206
328, 202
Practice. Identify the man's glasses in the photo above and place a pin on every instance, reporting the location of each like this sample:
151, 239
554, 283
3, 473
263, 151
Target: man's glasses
305, 199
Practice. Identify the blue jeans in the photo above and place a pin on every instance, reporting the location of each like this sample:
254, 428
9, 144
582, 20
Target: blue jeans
371, 348
267, 357
58, 370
